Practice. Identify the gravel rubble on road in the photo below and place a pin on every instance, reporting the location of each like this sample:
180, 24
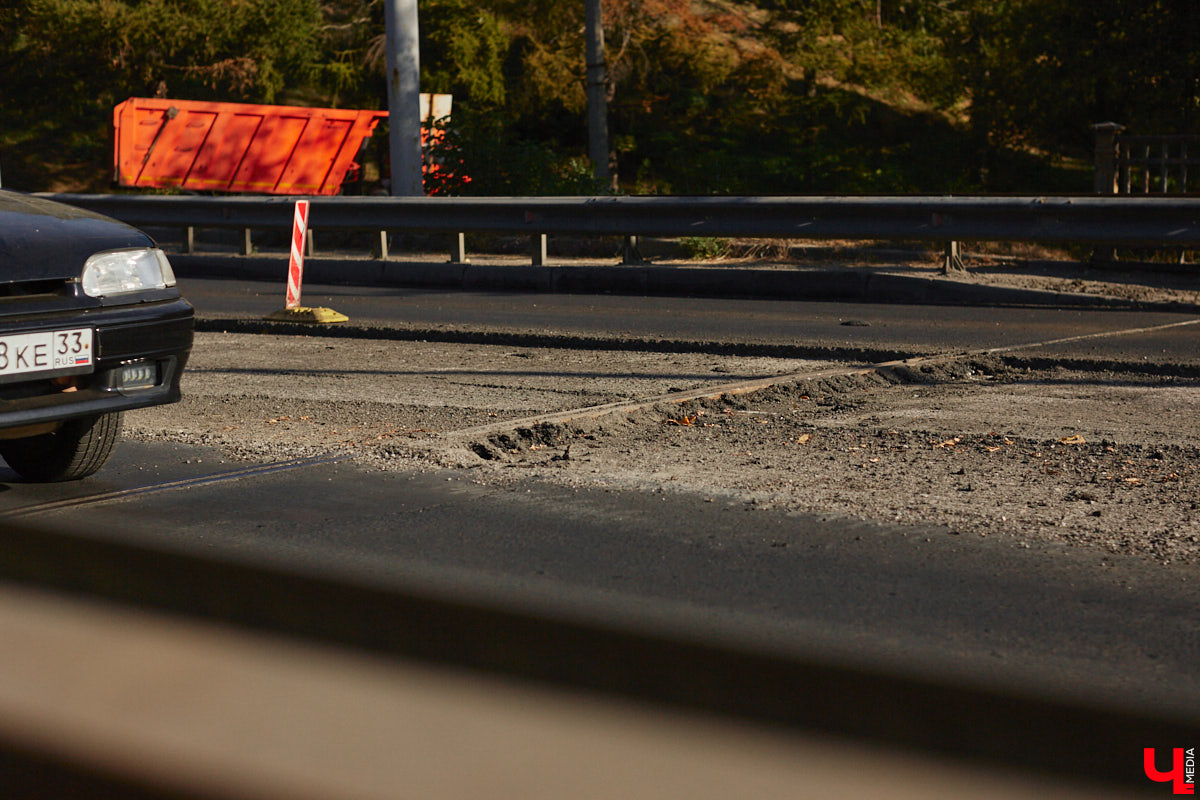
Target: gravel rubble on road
974, 449
1104, 458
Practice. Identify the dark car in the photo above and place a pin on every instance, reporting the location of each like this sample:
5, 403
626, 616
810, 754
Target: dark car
91, 324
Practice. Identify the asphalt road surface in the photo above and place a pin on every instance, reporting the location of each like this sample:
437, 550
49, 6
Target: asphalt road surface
905, 596
1082, 624
870, 329
898, 596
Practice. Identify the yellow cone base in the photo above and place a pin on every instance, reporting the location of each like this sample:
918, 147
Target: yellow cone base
319, 316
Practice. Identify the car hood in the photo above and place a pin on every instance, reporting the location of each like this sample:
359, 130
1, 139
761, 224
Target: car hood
43, 240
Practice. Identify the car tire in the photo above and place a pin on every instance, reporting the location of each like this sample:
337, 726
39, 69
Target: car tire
74, 451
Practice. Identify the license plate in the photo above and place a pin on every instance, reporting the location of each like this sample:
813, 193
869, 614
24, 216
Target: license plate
46, 351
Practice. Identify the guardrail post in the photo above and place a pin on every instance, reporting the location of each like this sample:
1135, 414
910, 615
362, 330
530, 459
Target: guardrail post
381, 250
537, 249
631, 255
247, 244
952, 259
309, 243
458, 249
189, 240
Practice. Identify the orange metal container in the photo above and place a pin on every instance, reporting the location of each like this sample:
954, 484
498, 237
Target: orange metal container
237, 147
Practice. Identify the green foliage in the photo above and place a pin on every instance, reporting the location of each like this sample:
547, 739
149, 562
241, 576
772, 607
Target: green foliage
1039, 71
76, 59
95, 51
543, 66
462, 52
705, 248
348, 62
775, 96
498, 162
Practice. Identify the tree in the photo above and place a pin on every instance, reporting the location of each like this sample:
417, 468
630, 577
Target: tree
1039, 72
95, 51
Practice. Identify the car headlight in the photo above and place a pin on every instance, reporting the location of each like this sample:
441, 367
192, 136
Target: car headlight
127, 271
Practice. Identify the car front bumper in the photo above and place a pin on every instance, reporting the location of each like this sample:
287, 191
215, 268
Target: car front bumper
156, 336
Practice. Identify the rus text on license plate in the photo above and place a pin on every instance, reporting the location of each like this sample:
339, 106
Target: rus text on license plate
45, 351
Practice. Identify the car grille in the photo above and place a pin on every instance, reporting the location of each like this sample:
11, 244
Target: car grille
33, 290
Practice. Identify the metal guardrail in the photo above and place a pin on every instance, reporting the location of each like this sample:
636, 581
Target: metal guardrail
1146, 221
1098, 220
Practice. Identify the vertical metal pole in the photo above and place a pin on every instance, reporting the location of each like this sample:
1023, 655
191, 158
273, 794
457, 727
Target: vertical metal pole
597, 91
952, 260
537, 250
404, 98
631, 254
458, 249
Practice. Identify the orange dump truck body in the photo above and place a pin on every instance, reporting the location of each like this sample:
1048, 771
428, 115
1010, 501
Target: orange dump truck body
237, 147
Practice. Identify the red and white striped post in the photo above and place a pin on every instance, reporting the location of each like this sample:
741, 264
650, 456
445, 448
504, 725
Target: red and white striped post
296, 264
293, 311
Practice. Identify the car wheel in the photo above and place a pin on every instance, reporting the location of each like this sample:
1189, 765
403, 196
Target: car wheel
74, 451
